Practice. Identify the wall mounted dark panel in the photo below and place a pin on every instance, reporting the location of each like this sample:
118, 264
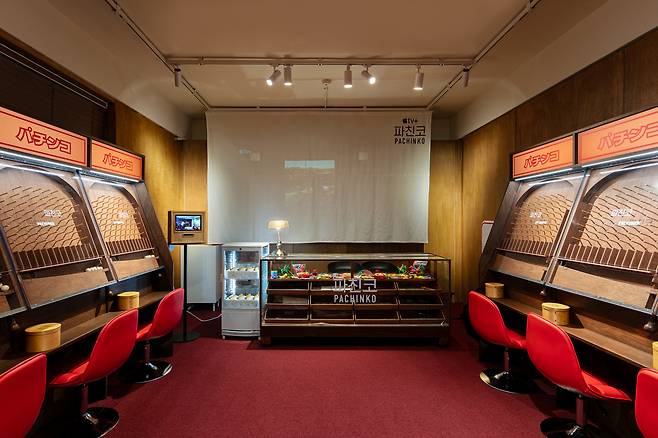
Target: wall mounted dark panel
599, 90
641, 68
24, 91
31, 91
547, 115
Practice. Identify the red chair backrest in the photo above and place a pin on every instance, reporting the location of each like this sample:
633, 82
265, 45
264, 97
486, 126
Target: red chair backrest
113, 346
22, 390
551, 351
646, 402
168, 314
486, 319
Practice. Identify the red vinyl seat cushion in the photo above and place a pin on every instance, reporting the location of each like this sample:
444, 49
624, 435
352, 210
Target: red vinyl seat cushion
516, 340
646, 402
143, 332
600, 389
166, 318
112, 348
22, 390
488, 322
72, 377
551, 351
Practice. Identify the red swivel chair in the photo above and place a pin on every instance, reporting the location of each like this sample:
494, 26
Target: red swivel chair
487, 321
112, 348
22, 390
646, 402
166, 318
552, 353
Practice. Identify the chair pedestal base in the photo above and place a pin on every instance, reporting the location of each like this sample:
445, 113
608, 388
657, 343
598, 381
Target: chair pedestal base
150, 371
556, 427
96, 422
507, 382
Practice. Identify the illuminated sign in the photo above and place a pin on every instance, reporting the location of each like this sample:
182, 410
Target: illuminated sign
634, 133
107, 158
24, 134
551, 156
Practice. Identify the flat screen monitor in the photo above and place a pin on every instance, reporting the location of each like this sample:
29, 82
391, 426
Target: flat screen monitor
188, 222
187, 227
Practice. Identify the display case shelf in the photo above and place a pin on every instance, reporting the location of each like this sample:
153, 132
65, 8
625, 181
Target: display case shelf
376, 316
286, 315
418, 316
332, 316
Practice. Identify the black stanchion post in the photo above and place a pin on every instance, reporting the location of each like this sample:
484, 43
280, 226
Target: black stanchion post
185, 336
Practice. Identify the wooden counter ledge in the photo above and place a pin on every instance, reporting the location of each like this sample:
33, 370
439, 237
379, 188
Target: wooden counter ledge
76, 333
633, 355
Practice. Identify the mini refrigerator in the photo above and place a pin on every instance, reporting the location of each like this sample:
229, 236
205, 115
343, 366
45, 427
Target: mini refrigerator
242, 286
204, 273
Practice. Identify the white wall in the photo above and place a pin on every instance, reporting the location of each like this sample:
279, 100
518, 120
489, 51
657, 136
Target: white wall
608, 28
335, 176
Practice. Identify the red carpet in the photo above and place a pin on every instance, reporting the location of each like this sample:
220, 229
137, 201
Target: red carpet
236, 388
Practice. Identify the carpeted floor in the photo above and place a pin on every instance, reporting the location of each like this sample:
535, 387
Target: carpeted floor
236, 388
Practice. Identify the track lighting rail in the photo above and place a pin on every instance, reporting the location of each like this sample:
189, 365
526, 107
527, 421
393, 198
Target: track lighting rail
231, 60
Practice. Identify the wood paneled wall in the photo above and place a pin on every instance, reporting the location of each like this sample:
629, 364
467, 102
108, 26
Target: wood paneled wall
622, 82
486, 168
445, 205
195, 175
163, 171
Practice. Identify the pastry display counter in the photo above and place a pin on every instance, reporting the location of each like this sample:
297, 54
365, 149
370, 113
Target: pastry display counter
357, 295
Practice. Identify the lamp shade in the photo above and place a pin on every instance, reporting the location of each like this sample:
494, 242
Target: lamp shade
277, 224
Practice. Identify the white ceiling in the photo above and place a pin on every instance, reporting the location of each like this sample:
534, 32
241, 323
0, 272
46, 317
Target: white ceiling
348, 28
93, 43
308, 28
302, 28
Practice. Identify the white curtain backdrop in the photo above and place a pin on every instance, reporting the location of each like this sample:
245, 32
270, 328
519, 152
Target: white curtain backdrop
336, 177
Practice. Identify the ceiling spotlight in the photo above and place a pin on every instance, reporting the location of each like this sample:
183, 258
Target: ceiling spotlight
418, 83
366, 74
287, 75
273, 77
466, 76
178, 74
347, 78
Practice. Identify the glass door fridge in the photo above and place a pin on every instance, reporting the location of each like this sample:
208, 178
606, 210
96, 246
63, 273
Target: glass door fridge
241, 288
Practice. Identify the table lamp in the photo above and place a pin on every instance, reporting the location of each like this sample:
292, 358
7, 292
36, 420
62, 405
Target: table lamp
278, 225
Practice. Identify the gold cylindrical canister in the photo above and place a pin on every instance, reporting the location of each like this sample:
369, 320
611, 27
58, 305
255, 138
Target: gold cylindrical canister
43, 337
655, 355
556, 313
128, 300
494, 290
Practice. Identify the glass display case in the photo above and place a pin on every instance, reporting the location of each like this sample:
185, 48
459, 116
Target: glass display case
539, 213
11, 299
50, 233
611, 247
242, 286
122, 227
388, 295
